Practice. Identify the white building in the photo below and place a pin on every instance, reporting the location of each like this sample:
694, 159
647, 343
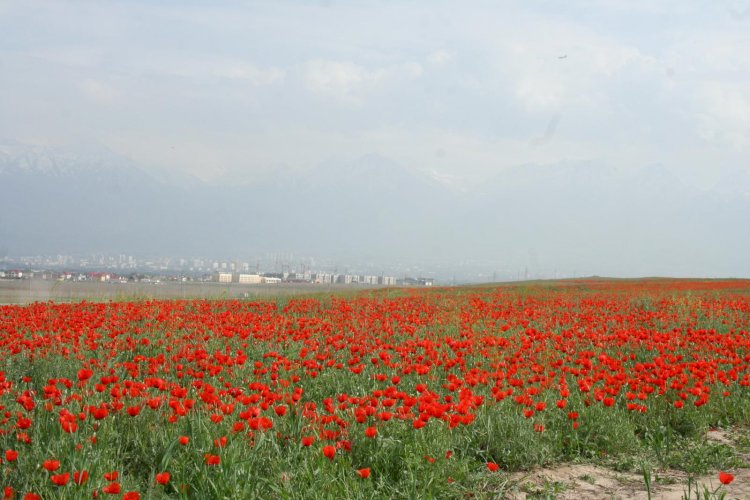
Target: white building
325, 278
250, 279
225, 277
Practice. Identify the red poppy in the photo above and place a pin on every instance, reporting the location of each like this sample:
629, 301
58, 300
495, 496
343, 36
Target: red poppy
725, 477
111, 476
184, 440
211, 459
371, 432
308, 440
68, 425
131, 495
80, 477
60, 479
364, 473
112, 488
11, 455
492, 466
162, 477
51, 465
100, 413
329, 452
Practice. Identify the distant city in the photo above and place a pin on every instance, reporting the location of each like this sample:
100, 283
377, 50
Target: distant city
125, 268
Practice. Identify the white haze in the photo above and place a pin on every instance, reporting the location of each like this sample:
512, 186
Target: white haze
496, 127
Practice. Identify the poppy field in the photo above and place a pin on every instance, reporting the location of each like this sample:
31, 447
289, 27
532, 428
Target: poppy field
387, 393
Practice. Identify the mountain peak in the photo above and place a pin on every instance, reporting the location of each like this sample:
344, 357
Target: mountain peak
83, 159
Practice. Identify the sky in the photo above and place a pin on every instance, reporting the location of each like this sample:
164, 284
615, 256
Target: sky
232, 90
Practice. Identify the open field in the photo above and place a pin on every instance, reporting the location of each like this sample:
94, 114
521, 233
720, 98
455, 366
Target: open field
27, 291
575, 389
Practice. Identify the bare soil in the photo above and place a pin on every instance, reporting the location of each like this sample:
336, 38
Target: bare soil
594, 482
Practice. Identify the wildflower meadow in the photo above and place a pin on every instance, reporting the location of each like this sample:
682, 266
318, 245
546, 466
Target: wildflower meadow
438, 393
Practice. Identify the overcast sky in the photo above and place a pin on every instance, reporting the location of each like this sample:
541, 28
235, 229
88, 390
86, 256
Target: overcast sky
223, 88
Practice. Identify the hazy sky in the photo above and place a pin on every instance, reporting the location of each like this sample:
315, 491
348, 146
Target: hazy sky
223, 88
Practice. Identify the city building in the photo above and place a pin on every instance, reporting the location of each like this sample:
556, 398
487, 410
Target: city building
250, 279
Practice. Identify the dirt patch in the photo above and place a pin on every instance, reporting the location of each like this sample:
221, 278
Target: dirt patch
590, 482
594, 482
720, 436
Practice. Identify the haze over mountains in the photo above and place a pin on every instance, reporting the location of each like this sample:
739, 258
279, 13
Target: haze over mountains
564, 218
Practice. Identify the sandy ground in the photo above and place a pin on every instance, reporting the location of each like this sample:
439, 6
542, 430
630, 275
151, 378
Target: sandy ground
591, 482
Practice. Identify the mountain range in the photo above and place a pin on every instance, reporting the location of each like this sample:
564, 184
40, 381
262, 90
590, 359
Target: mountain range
566, 217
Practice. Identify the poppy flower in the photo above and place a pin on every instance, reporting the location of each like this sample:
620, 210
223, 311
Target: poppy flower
184, 440
111, 476
725, 477
308, 440
364, 473
211, 459
60, 479
131, 495
329, 452
371, 432
112, 489
492, 466
100, 413
11, 455
80, 477
51, 465
68, 425
162, 477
